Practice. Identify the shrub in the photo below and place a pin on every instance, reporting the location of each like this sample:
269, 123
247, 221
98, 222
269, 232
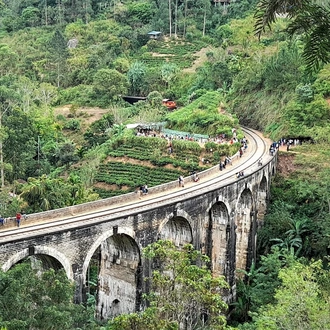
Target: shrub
210, 146
60, 117
72, 124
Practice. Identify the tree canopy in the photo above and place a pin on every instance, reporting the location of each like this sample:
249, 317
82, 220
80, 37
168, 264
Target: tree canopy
307, 18
39, 300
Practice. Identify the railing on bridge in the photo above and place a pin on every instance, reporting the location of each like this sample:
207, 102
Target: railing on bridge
128, 198
103, 204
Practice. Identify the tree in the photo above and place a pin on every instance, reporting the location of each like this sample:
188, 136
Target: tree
204, 8
8, 59
168, 73
302, 302
98, 132
145, 112
183, 295
59, 53
45, 193
176, 19
147, 320
183, 289
155, 99
291, 245
34, 299
140, 13
25, 89
30, 17
136, 76
258, 286
109, 84
170, 16
8, 100
45, 94
10, 203
20, 146
185, 17
65, 153
306, 17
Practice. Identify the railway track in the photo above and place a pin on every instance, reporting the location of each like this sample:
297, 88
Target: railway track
258, 147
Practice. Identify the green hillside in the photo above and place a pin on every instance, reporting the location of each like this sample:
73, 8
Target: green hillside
64, 69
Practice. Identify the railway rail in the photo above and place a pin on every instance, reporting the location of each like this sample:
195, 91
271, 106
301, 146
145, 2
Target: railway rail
210, 179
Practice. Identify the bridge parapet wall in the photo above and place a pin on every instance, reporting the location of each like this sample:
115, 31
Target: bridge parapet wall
75, 210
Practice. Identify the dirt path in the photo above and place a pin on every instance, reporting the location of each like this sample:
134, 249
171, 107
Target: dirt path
199, 61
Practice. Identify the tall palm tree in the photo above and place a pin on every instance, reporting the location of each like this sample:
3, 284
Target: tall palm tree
136, 75
306, 17
35, 193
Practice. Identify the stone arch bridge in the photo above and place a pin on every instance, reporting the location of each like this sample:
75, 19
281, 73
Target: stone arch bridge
219, 216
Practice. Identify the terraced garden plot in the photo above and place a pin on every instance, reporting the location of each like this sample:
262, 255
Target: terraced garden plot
181, 62
180, 53
178, 48
186, 160
131, 176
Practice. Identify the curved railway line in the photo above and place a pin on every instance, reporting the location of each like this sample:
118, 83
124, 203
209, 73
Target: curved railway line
257, 148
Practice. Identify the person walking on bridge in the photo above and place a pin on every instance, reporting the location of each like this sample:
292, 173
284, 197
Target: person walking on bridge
18, 218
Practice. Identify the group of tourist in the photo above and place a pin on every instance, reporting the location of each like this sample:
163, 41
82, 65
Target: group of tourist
289, 143
239, 174
223, 164
146, 133
18, 218
283, 142
294, 142
243, 147
219, 139
144, 190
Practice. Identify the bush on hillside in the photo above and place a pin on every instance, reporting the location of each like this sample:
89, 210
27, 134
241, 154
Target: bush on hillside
203, 114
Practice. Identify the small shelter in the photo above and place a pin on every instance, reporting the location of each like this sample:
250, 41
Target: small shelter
147, 128
222, 2
156, 35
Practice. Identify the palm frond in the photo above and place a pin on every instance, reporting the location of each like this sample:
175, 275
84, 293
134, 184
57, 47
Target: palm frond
307, 18
268, 10
317, 46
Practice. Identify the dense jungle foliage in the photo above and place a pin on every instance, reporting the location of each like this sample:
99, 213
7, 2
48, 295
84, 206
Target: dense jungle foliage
87, 54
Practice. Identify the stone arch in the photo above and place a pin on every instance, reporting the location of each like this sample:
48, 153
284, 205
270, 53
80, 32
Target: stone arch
243, 228
263, 186
120, 230
219, 199
43, 253
219, 236
178, 230
118, 260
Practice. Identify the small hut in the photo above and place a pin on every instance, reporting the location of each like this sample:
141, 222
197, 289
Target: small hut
155, 35
221, 2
